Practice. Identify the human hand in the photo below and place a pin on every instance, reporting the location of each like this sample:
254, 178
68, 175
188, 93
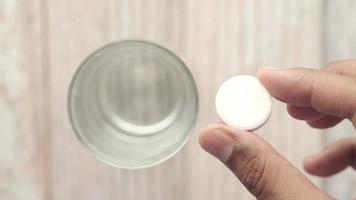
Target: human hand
322, 98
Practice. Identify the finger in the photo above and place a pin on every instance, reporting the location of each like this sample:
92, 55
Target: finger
333, 159
314, 118
342, 67
303, 113
265, 173
325, 92
324, 122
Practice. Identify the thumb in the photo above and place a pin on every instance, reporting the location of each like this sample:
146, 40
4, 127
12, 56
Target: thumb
264, 172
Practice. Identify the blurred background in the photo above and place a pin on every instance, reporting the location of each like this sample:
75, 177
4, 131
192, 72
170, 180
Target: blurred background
43, 41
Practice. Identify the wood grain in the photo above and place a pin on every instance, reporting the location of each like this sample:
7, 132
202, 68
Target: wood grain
24, 137
45, 40
213, 38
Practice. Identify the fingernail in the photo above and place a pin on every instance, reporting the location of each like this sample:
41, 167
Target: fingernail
272, 72
264, 70
267, 69
218, 143
270, 68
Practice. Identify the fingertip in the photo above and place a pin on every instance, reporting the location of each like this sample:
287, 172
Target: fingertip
324, 122
217, 140
211, 127
205, 133
263, 73
303, 113
278, 82
314, 166
311, 165
308, 164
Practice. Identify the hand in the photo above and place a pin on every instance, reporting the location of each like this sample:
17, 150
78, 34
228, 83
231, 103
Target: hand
320, 97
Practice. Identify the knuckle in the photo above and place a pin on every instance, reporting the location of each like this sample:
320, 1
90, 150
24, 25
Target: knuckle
333, 64
335, 67
254, 177
342, 67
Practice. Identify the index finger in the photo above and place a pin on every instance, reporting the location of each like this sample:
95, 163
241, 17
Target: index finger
326, 92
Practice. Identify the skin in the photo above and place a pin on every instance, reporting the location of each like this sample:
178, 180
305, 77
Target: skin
322, 98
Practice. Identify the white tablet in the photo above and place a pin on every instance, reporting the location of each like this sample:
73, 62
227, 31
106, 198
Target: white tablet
242, 102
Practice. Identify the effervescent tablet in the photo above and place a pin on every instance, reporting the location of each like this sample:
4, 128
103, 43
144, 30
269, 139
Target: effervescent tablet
243, 103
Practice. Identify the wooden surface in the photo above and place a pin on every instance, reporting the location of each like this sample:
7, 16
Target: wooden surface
43, 41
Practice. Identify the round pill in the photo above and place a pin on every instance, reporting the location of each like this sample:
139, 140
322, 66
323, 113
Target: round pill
243, 103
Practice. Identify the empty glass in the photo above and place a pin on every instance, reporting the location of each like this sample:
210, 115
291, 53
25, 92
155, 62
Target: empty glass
133, 104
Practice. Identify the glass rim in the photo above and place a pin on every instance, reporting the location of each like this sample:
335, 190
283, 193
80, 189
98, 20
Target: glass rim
87, 144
